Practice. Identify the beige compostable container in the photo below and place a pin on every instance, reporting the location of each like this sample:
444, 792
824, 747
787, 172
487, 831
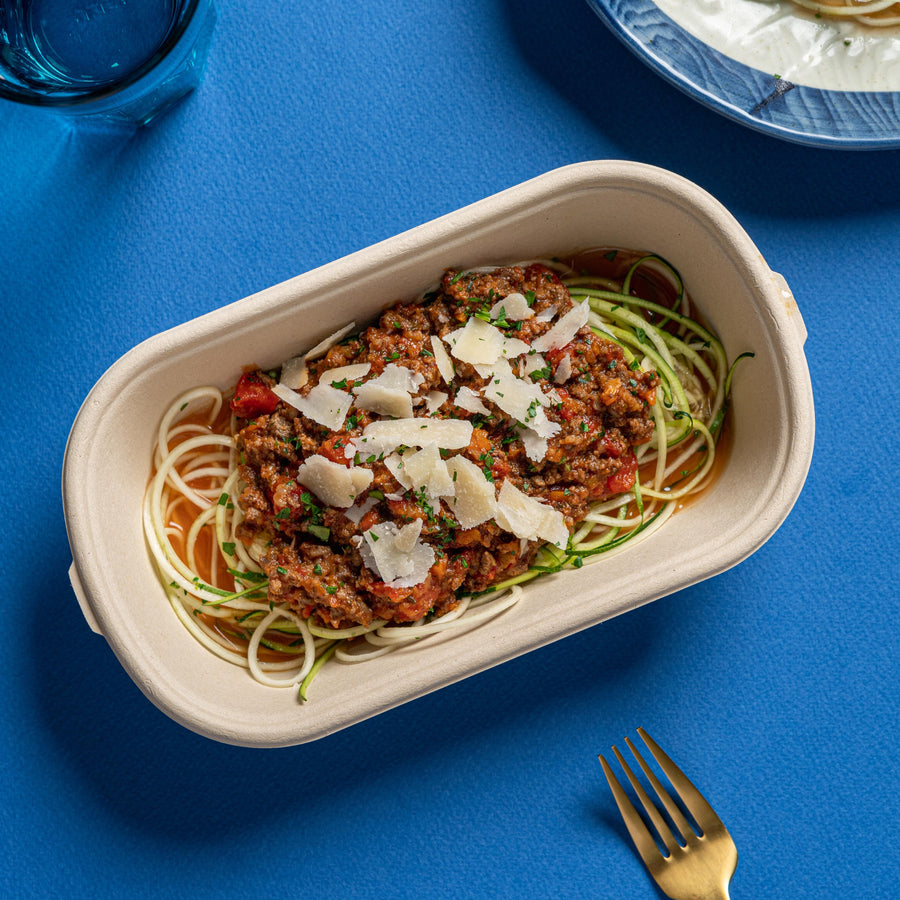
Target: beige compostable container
620, 204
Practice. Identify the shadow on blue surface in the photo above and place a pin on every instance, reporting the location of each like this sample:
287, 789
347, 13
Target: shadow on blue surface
132, 764
589, 68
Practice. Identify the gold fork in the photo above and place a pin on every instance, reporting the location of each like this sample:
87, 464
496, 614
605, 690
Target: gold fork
696, 866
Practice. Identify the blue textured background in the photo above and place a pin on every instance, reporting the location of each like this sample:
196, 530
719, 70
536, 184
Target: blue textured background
320, 128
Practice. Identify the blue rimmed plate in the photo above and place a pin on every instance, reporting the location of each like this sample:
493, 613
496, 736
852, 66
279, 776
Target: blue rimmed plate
770, 66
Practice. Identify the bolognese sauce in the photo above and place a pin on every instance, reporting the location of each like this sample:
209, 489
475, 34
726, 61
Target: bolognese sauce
596, 409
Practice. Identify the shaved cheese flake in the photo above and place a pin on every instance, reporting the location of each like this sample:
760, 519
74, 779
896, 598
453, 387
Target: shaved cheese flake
529, 518
468, 400
399, 378
389, 394
383, 400
535, 446
563, 370
325, 345
396, 555
513, 347
422, 470
294, 373
476, 342
291, 397
352, 372
546, 315
386, 435
474, 500
522, 400
333, 483
356, 512
534, 362
434, 400
323, 404
442, 359
394, 464
514, 308
481, 344
564, 330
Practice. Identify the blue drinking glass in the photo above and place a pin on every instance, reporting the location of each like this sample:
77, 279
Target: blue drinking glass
114, 61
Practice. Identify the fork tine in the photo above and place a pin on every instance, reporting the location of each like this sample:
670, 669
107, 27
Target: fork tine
659, 823
676, 815
643, 840
704, 815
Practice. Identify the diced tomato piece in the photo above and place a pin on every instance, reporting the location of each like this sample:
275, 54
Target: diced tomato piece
612, 447
624, 479
479, 444
369, 519
252, 397
333, 449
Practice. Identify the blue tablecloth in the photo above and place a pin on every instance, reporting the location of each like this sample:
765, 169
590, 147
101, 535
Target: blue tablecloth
319, 129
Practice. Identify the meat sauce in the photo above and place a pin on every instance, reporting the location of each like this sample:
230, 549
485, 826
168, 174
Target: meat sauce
602, 408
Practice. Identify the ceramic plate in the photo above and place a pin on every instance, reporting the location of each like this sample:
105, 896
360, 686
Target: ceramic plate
771, 66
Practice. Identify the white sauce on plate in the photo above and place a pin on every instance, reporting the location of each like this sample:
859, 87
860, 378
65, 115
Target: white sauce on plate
777, 37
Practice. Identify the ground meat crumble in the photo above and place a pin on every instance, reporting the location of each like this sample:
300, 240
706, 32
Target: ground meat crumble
602, 408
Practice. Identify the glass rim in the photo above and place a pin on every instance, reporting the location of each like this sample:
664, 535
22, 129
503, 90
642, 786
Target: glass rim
182, 24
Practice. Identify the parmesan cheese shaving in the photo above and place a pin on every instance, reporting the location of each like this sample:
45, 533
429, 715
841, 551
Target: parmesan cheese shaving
390, 393
294, 373
535, 446
564, 330
396, 555
474, 499
480, 343
529, 518
386, 435
434, 400
442, 360
422, 470
476, 342
345, 373
524, 401
534, 362
333, 483
399, 378
468, 400
356, 512
323, 404
563, 370
513, 347
514, 308
384, 401
325, 345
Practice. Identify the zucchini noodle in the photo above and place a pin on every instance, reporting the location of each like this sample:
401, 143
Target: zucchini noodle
216, 584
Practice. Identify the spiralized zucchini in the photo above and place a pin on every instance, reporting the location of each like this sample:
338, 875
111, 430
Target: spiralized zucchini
217, 587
